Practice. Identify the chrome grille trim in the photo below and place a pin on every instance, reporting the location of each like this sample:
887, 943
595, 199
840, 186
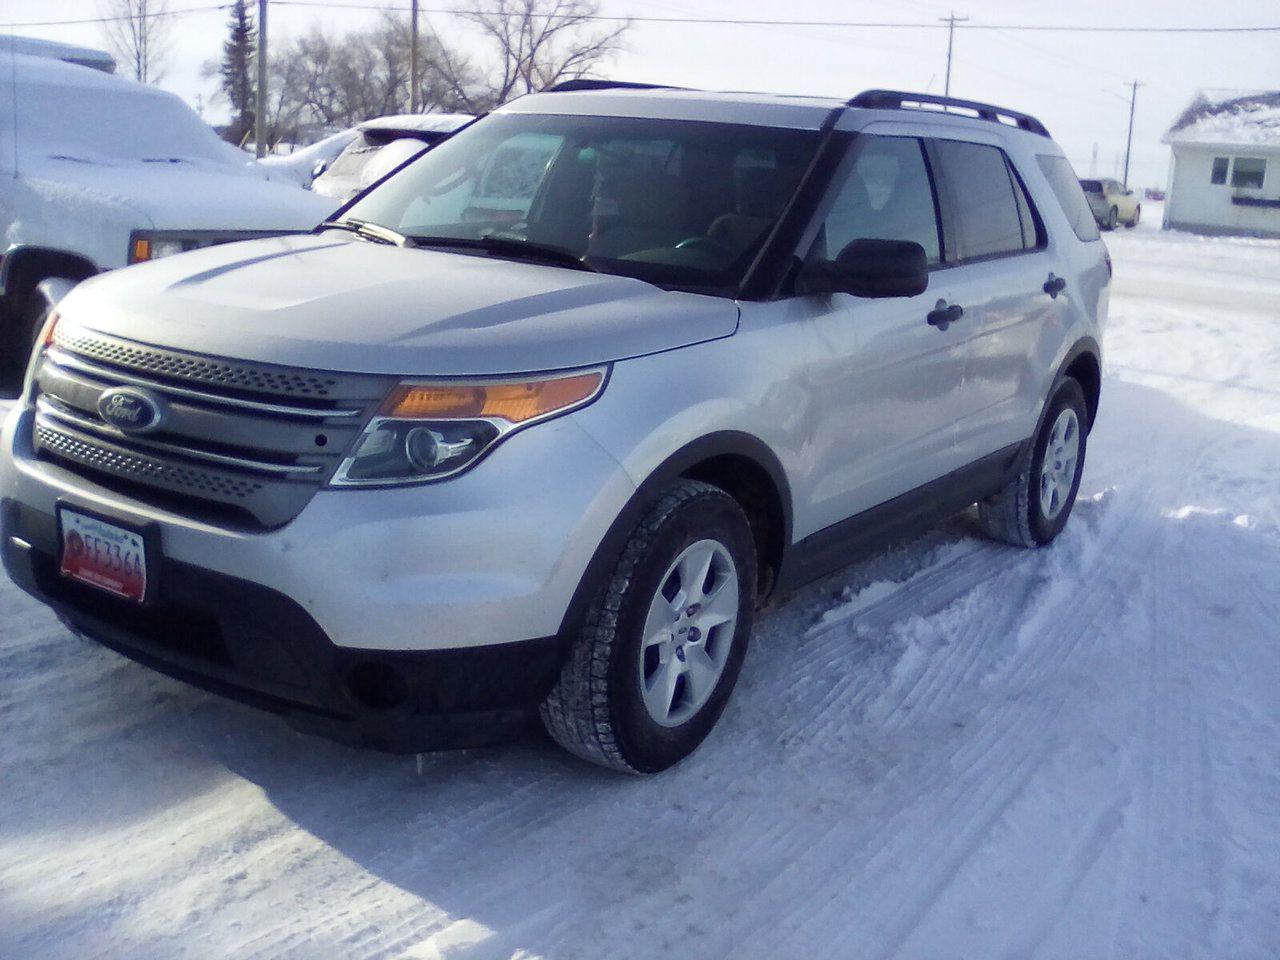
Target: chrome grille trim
142, 469
210, 371
46, 410
247, 444
61, 359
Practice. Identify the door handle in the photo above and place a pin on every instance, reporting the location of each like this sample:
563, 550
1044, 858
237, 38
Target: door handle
942, 315
1054, 286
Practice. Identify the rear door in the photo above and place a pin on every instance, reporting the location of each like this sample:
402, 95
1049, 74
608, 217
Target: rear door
997, 267
885, 382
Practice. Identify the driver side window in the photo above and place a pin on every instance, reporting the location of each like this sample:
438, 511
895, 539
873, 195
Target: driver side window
887, 195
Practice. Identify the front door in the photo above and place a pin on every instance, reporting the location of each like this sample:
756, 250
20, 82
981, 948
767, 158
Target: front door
885, 381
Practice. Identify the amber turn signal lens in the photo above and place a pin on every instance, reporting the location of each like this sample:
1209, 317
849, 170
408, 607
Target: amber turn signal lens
46, 334
140, 250
513, 402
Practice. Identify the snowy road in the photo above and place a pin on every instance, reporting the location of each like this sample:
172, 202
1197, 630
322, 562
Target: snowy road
955, 749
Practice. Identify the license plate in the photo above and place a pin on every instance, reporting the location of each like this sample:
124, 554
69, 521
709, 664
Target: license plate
104, 555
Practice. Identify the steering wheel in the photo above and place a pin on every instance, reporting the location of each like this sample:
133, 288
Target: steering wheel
707, 243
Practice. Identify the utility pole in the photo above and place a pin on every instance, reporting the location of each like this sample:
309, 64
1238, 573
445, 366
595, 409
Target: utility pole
260, 100
1133, 101
951, 22
415, 76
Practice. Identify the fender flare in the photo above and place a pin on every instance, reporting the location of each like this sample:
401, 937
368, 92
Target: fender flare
720, 443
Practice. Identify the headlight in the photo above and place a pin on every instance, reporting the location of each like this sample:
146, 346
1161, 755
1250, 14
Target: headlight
432, 430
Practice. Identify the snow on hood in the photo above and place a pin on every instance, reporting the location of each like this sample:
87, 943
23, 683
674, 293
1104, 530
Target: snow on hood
336, 302
184, 195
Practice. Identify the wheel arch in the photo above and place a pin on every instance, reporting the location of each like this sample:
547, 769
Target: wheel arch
25, 266
1083, 363
739, 463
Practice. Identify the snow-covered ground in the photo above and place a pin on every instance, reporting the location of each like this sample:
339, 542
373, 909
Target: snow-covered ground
954, 749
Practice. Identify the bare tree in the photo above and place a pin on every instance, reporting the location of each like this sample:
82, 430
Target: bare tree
534, 44
137, 35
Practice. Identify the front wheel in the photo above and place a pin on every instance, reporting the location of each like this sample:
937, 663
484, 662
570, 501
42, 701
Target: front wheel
663, 640
1137, 213
1033, 508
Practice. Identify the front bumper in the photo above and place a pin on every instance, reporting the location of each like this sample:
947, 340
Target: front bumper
401, 619
251, 643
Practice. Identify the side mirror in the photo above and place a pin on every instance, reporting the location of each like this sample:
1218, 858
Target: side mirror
318, 170
870, 268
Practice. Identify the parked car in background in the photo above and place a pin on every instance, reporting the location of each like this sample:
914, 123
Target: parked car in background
1112, 203
378, 147
97, 172
1153, 193
300, 166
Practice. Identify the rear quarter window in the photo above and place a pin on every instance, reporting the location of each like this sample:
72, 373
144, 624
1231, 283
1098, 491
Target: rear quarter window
1066, 189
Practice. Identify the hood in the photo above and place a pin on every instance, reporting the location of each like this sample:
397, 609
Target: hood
337, 302
188, 194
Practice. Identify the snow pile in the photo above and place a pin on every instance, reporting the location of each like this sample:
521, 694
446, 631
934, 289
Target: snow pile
952, 749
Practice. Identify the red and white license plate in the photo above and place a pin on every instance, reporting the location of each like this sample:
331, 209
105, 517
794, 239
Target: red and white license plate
104, 555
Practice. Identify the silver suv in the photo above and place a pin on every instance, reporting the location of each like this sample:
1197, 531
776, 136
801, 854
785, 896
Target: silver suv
538, 421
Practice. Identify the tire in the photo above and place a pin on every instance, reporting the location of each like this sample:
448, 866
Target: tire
1113, 217
1133, 222
598, 709
1018, 514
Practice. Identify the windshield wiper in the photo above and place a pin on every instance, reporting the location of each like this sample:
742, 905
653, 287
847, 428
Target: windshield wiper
510, 247
370, 231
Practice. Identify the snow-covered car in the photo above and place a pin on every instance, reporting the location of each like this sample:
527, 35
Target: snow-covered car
411, 477
97, 172
379, 146
302, 165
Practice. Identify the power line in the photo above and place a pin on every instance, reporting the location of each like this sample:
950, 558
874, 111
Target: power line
116, 19
729, 21
710, 21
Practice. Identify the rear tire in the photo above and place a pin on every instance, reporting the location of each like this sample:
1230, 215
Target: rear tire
651, 670
1113, 217
1033, 508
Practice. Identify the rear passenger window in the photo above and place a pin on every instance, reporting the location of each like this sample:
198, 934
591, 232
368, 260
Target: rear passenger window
886, 196
1066, 188
984, 201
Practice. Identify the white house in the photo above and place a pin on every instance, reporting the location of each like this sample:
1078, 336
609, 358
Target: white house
1225, 173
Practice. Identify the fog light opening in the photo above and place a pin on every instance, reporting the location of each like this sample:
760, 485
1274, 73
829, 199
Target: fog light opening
377, 686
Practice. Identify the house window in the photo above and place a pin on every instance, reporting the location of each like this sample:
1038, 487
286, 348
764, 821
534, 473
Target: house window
1219, 175
1248, 172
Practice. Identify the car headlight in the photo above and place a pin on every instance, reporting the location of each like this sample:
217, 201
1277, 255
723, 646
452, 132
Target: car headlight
149, 245
429, 430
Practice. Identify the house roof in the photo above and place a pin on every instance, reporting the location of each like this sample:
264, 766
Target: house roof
1229, 118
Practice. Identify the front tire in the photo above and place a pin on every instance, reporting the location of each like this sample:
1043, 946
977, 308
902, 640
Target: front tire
1033, 508
1137, 213
664, 638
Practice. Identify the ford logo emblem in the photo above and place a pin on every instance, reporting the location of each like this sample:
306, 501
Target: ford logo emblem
131, 409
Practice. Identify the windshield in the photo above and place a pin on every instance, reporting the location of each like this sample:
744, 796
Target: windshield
678, 203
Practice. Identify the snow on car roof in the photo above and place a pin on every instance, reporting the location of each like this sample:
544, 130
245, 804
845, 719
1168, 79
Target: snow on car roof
68, 112
51, 49
426, 122
1229, 117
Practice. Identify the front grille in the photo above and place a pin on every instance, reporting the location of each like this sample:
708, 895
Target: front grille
253, 440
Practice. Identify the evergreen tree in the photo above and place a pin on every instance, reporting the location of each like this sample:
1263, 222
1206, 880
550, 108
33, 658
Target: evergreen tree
236, 70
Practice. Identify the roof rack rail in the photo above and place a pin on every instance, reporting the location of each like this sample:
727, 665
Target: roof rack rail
583, 83
899, 100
